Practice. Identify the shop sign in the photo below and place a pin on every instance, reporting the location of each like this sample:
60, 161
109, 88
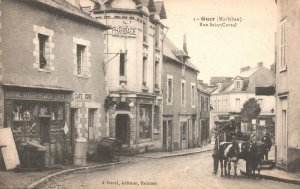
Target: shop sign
25, 95
123, 31
83, 96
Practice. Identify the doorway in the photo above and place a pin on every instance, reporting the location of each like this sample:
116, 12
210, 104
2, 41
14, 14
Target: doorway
167, 135
45, 129
123, 128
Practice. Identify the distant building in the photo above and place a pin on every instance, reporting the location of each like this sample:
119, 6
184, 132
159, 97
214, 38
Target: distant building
215, 80
228, 98
133, 71
179, 81
52, 79
287, 85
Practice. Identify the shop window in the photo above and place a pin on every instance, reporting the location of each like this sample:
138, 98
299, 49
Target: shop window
91, 124
35, 120
145, 121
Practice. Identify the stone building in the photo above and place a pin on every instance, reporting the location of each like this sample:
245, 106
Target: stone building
228, 98
52, 78
133, 66
287, 85
179, 81
203, 106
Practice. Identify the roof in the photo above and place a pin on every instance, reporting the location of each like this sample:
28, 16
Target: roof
171, 51
252, 78
248, 73
68, 8
160, 9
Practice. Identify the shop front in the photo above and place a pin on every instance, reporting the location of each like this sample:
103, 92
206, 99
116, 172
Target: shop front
40, 116
135, 122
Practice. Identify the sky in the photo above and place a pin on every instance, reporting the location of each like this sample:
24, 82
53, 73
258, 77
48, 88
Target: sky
222, 51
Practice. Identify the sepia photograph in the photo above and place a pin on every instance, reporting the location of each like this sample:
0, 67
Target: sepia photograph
149, 94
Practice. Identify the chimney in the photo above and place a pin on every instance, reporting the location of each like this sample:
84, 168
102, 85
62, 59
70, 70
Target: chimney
260, 64
272, 68
184, 44
244, 69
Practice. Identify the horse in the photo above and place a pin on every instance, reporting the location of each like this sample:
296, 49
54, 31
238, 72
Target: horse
256, 154
232, 152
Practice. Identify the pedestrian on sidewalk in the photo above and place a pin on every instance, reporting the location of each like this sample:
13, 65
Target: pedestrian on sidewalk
268, 143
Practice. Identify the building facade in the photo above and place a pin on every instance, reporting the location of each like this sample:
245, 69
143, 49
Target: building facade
204, 108
179, 82
287, 90
228, 99
133, 71
52, 79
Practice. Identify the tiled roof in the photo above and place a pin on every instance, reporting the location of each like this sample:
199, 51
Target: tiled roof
171, 51
70, 9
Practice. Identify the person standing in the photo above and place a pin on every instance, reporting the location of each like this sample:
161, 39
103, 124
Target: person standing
268, 143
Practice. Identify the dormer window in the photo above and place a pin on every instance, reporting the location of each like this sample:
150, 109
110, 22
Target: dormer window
238, 85
219, 86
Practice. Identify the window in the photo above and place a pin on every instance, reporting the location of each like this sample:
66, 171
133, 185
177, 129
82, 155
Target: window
122, 63
144, 71
182, 92
238, 85
82, 55
237, 104
169, 90
283, 36
80, 58
43, 48
156, 74
193, 86
183, 70
145, 121
91, 124
145, 30
42, 51
156, 37
202, 103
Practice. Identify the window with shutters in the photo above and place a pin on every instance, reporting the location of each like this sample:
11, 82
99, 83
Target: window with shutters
82, 64
282, 50
43, 49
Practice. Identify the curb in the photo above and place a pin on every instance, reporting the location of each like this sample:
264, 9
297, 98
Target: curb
173, 155
60, 173
267, 177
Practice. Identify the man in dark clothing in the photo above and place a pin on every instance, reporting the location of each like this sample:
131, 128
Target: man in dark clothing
268, 143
